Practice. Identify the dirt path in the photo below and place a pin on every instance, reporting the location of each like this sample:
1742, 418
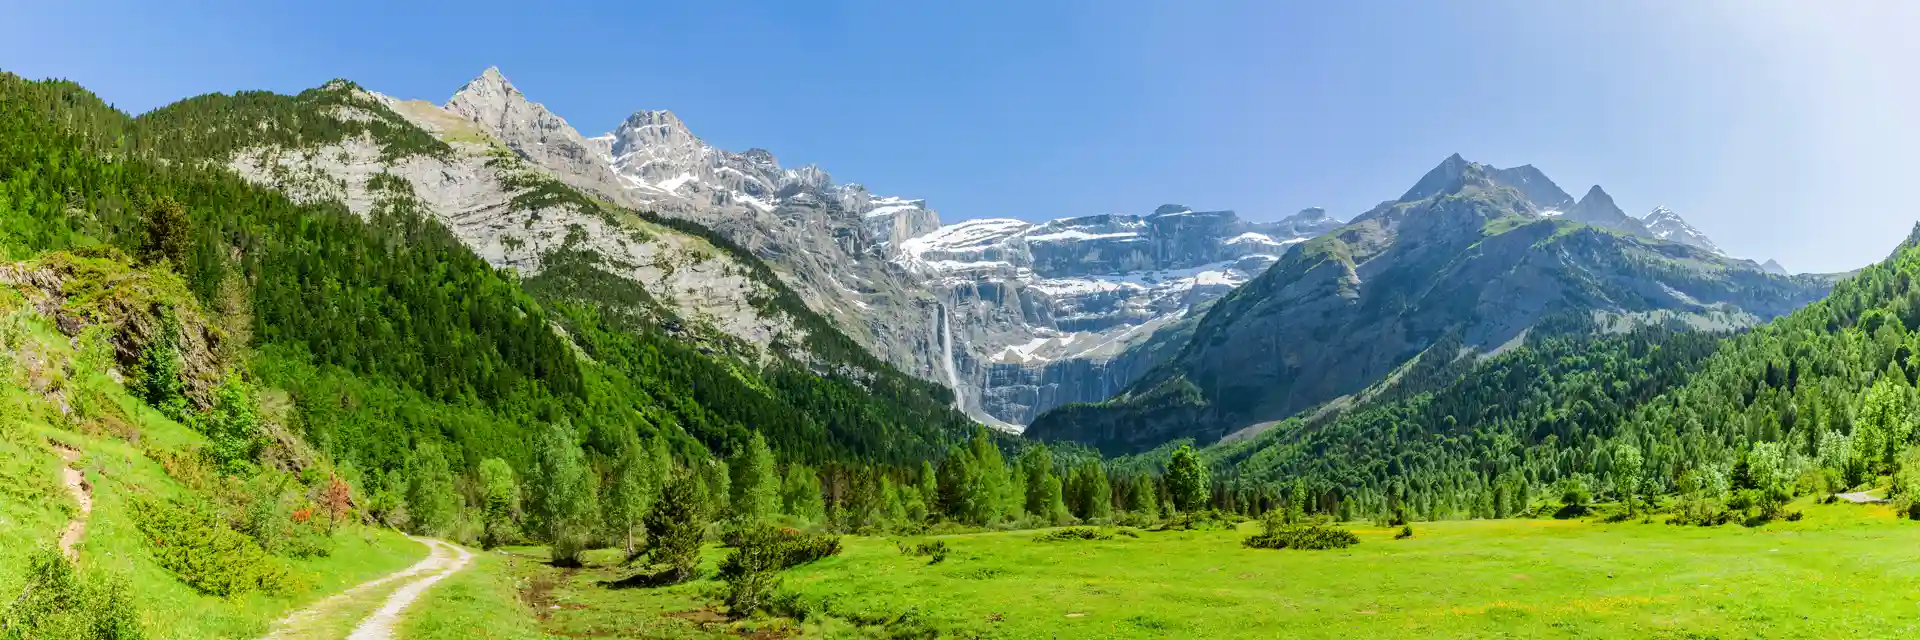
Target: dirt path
379, 626
76, 483
314, 621
1861, 497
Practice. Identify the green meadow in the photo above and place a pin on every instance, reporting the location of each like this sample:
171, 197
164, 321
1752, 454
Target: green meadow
1843, 570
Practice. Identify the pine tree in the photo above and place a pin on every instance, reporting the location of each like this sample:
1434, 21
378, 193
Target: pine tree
502, 498
716, 486
1089, 494
1297, 502
893, 507
990, 495
563, 496
1035, 467
1144, 497
1054, 505
956, 474
1187, 480
800, 495
168, 233
677, 524
929, 486
756, 488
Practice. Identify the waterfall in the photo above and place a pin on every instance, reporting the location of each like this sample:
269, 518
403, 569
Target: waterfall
946, 354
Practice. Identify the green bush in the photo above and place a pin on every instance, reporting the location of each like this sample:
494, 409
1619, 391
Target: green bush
272, 508
937, 549
1073, 533
1314, 535
1406, 531
196, 545
760, 553
57, 603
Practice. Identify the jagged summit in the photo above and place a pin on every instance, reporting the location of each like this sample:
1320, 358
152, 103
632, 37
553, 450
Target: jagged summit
1773, 266
1532, 183
1664, 224
1598, 208
1439, 179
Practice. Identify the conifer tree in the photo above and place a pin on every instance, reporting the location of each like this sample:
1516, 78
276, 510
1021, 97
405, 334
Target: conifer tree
800, 495
990, 495
677, 524
1144, 497
1089, 495
756, 487
929, 486
716, 486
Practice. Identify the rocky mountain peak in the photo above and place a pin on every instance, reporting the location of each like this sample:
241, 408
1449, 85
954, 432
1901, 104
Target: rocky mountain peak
1772, 266
1597, 198
1308, 214
1447, 175
1535, 186
1170, 209
1598, 209
1664, 224
492, 103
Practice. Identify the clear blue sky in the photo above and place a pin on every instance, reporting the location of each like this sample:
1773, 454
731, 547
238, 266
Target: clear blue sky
1782, 128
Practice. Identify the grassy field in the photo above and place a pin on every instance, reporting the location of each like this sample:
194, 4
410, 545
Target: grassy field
1844, 571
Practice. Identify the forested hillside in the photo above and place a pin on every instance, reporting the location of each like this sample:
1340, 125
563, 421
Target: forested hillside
386, 331
1819, 400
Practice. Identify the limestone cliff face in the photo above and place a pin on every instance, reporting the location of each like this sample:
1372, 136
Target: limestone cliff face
1015, 317
1075, 309
483, 193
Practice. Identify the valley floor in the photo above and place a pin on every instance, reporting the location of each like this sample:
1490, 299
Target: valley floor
1845, 570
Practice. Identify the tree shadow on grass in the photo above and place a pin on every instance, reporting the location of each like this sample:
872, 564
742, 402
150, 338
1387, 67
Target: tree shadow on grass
650, 579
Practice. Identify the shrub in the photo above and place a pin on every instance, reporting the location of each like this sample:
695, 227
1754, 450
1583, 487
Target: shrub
57, 602
1406, 531
937, 549
273, 509
752, 571
1314, 535
1073, 533
192, 542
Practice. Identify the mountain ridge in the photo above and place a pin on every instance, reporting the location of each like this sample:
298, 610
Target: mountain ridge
1472, 262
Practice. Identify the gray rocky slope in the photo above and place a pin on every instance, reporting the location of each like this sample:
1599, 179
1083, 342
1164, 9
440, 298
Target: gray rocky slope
1468, 261
1015, 317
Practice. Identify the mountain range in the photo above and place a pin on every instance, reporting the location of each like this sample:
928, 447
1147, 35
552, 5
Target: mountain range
1016, 318
1464, 264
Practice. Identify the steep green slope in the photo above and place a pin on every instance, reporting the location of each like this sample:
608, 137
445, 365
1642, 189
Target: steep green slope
1466, 262
387, 331
63, 406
